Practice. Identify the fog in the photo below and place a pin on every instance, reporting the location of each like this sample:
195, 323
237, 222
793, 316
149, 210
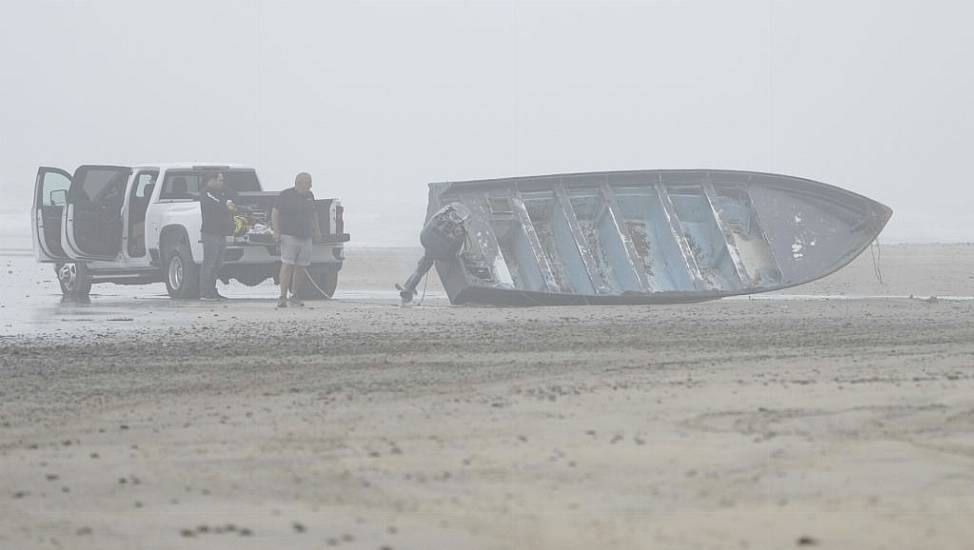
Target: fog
377, 99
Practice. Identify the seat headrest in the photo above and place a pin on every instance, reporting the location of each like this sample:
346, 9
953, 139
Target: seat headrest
179, 186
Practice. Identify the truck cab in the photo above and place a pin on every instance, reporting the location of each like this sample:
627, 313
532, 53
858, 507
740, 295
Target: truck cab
141, 225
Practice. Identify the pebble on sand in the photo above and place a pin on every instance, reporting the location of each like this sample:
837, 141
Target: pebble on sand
806, 540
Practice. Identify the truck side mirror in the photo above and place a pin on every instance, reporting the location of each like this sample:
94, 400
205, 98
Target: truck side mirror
59, 197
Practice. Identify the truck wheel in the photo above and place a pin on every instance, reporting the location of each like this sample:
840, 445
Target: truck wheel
181, 274
74, 279
327, 281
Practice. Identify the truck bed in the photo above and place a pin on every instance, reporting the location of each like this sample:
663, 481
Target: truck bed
256, 208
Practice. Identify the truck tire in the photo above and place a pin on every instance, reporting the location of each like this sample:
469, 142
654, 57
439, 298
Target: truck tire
74, 279
326, 280
181, 274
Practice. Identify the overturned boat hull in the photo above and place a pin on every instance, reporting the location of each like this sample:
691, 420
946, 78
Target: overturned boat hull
648, 236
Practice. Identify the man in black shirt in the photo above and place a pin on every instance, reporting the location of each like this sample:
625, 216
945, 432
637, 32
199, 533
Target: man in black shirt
217, 210
295, 222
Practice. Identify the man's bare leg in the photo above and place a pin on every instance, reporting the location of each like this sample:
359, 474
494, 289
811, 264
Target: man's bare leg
285, 278
297, 279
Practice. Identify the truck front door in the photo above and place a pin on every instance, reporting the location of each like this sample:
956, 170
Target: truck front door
50, 196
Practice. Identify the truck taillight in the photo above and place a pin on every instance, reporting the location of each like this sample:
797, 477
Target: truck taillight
339, 220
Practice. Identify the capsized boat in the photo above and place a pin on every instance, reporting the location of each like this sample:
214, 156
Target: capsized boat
638, 237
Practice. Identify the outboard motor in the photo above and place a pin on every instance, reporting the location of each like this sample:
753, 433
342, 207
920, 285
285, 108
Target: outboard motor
442, 238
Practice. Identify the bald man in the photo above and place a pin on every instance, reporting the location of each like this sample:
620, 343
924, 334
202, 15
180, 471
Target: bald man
294, 223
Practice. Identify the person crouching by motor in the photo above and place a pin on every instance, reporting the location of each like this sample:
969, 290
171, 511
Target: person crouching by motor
217, 209
294, 223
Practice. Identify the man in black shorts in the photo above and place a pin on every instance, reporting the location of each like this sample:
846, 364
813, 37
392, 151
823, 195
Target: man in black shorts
294, 222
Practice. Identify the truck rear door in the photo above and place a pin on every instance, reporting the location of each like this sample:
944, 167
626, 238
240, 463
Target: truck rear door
50, 197
92, 227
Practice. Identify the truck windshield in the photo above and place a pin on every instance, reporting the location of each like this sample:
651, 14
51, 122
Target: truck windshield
185, 184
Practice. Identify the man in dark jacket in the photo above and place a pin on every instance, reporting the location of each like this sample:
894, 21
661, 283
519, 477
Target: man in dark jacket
217, 210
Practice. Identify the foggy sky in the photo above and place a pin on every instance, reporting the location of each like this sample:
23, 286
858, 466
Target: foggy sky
377, 99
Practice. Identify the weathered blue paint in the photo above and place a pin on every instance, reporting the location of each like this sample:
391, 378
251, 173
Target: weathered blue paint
649, 236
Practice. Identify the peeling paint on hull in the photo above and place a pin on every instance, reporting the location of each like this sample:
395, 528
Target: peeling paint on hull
649, 236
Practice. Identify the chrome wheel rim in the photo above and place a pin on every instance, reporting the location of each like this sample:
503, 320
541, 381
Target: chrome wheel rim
68, 275
176, 272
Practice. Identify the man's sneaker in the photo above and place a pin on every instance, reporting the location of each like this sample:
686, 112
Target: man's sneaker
221, 297
295, 301
209, 298
282, 302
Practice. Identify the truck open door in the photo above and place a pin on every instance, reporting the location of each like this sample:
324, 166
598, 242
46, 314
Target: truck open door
93, 222
50, 197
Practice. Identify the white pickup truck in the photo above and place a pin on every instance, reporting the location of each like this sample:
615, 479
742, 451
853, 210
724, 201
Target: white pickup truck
141, 224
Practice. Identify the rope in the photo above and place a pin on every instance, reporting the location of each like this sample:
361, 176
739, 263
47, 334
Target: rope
876, 252
312, 281
426, 280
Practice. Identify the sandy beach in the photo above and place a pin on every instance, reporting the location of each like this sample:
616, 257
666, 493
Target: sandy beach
835, 415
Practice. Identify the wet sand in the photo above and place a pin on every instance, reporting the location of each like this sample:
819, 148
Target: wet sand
357, 424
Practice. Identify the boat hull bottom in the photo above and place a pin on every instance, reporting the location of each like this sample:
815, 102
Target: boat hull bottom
528, 298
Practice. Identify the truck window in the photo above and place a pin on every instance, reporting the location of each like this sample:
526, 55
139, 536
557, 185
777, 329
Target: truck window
144, 182
180, 186
185, 184
101, 186
241, 181
54, 190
